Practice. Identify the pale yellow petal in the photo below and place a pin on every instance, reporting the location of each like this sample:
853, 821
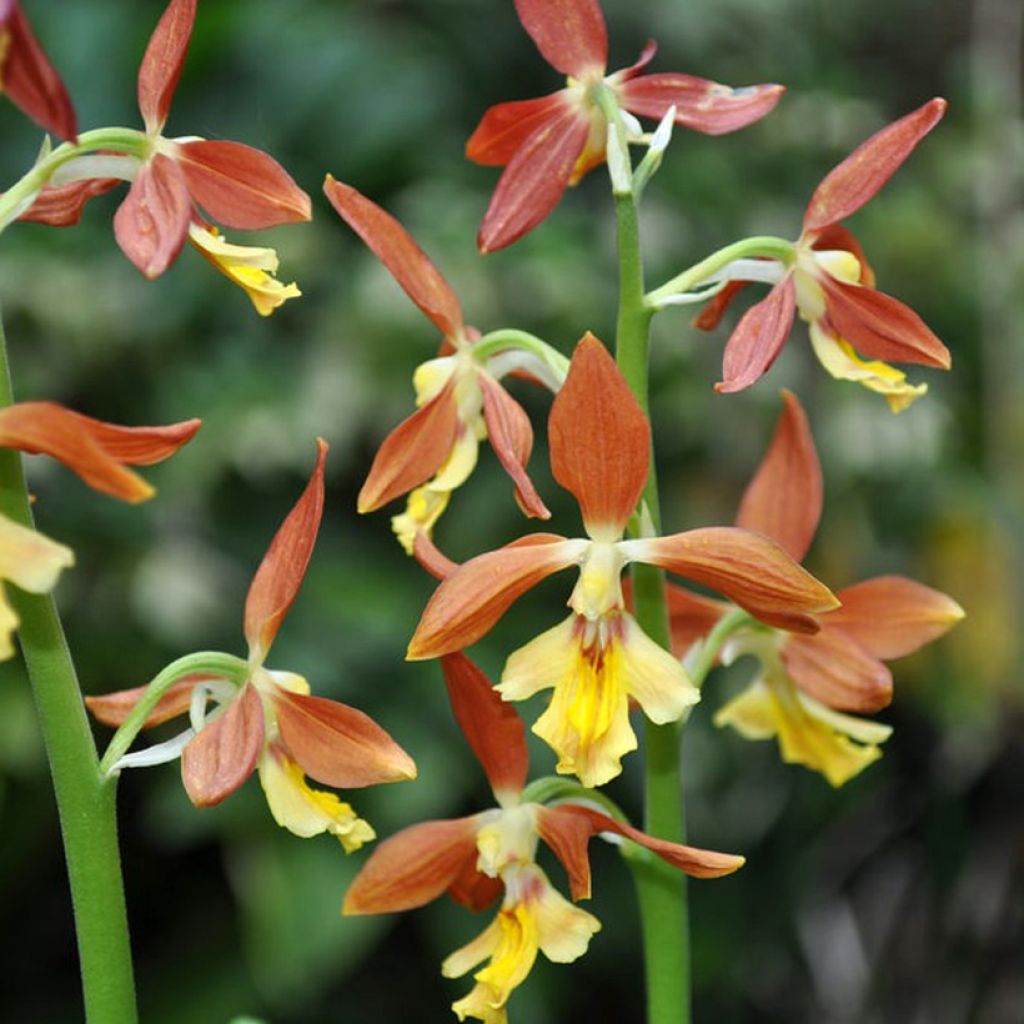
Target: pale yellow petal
564, 930
653, 677
541, 663
752, 714
8, 624
423, 508
30, 560
459, 464
473, 953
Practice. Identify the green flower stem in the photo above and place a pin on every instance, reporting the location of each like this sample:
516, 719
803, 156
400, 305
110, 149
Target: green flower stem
661, 890
207, 663
127, 141
85, 801
554, 789
748, 248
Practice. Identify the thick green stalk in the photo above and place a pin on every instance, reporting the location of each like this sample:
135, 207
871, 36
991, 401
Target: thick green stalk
85, 801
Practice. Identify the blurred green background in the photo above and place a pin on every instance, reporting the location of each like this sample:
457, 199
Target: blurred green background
896, 898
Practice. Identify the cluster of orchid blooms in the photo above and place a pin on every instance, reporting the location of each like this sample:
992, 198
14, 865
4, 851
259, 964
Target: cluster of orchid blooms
821, 655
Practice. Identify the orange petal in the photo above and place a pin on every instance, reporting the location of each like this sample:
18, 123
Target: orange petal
600, 440
28, 77
711, 314
152, 223
473, 889
534, 180
338, 745
162, 62
511, 437
704, 106
431, 558
241, 187
397, 250
690, 617
881, 326
783, 500
758, 338
749, 569
892, 616
413, 867
570, 34
113, 708
847, 187
93, 449
223, 754
505, 127
467, 604
492, 728
568, 834
61, 207
413, 452
280, 574
837, 671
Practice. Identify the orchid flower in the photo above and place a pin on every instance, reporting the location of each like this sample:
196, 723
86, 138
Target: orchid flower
460, 400
808, 684
492, 854
826, 278
268, 720
99, 453
548, 143
599, 657
28, 77
173, 178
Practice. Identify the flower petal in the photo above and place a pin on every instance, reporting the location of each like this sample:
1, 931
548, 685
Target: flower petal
563, 931
492, 728
338, 745
835, 236
758, 338
704, 106
223, 754
61, 207
473, 889
467, 604
28, 77
413, 867
783, 500
162, 62
881, 326
749, 569
511, 437
568, 834
280, 574
570, 34
600, 440
431, 558
892, 616
413, 452
152, 223
397, 250
837, 671
113, 708
847, 187
506, 126
714, 309
93, 449
241, 187
534, 180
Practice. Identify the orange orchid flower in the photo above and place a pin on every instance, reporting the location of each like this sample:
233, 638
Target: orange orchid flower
548, 143
99, 453
830, 283
492, 854
234, 184
808, 684
270, 722
28, 77
459, 395
599, 657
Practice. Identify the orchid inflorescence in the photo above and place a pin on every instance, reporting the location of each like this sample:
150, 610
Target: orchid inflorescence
821, 655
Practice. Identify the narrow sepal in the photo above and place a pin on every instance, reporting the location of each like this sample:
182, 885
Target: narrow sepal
280, 574
492, 728
241, 187
223, 754
836, 670
568, 835
784, 499
704, 106
151, 225
570, 34
431, 558
162, 62
892, 616
413, 867
413, 452
397, 250
473, 889
113, 708
600, 440
848, 186
506, 126
511, 437
61, 207
758, 338
712, 312
339, 745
